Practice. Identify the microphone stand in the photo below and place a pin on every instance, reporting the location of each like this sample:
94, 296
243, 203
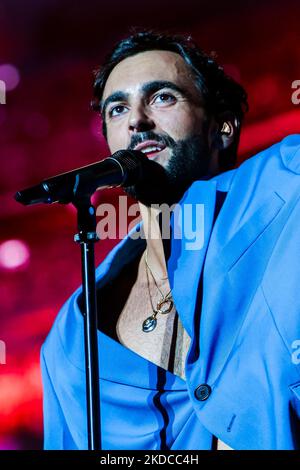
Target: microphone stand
77, 187
87, 237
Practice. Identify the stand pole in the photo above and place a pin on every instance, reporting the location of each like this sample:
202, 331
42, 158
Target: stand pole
86, 238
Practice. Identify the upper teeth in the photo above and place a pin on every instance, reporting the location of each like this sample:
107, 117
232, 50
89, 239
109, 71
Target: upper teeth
151, 148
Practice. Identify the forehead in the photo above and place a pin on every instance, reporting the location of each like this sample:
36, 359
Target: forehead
130, 74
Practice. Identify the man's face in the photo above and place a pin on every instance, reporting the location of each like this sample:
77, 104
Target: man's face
151, 103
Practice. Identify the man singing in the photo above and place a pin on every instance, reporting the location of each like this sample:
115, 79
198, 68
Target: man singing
198, 342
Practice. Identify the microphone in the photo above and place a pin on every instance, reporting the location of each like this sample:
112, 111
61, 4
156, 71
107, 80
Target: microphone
123, 168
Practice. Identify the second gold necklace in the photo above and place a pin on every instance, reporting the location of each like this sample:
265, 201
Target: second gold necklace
164, 306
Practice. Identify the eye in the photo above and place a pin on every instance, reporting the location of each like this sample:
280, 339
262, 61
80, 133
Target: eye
164, 98
117, 110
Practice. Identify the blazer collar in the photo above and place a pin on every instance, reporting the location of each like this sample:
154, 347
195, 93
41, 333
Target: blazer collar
193, 215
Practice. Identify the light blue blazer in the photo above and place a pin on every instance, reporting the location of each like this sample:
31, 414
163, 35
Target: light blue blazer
238, 297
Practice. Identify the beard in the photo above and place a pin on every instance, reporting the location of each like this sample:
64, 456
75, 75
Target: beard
189, 161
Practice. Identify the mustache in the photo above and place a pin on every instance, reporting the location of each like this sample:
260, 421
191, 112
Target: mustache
150, 135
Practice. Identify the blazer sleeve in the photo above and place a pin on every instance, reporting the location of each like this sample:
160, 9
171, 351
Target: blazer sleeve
56, 433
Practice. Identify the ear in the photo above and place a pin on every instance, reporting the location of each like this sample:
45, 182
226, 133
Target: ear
225, 130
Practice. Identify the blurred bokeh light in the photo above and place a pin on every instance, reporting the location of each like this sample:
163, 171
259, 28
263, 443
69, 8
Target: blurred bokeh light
9, 74
13, 254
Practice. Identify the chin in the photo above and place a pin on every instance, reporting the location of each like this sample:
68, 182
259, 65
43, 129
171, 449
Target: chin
156, 187
162, 158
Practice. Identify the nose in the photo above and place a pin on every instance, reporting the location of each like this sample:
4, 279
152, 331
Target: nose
139, 120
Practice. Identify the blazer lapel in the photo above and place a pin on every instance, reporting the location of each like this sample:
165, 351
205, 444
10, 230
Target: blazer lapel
187, 255
233, 269
223, 245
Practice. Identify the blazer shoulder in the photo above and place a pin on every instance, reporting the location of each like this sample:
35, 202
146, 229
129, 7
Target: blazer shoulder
290, 153
272, 165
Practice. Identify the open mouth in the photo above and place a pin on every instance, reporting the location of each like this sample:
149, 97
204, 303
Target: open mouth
150, 148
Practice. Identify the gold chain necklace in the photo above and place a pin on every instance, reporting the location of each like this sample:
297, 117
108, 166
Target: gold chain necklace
164, 306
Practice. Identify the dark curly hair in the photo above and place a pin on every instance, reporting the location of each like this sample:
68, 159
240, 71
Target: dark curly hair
221, 93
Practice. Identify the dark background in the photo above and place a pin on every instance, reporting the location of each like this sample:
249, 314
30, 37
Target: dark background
48, 49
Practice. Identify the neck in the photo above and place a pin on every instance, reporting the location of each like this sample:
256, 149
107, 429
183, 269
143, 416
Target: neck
155, 247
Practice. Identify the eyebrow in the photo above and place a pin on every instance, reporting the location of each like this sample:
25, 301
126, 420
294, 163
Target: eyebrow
113, 98
147, 89
152, 87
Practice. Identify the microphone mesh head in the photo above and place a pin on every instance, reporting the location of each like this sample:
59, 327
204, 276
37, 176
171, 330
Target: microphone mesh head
132, 162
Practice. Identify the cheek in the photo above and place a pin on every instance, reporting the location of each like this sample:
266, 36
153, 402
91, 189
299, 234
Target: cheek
183, 124
116, 139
